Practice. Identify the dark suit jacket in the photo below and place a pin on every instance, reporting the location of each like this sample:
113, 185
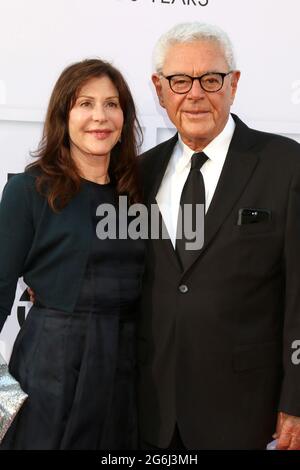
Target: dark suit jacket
215, 356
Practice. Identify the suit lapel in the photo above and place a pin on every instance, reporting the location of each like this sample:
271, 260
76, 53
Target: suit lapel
162, 160
238, 168
159, 170
239, 165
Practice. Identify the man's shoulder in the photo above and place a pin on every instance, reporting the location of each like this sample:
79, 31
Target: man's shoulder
279, 147
275, 139
267, 144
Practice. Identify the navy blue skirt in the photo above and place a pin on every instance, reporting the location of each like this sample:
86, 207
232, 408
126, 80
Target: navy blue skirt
79, 371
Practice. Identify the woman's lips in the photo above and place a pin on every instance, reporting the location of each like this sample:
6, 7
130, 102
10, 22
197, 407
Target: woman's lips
100, 134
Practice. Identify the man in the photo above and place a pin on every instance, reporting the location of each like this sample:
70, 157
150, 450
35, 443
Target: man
217, 331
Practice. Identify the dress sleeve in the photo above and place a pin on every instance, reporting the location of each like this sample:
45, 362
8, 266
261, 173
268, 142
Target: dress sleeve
16, 235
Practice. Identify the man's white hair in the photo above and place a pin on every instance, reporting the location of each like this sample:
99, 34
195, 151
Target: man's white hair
189, 32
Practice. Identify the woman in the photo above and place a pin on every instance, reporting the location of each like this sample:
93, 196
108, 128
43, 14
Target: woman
75, 354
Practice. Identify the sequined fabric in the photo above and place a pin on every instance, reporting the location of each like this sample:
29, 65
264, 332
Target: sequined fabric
11, 398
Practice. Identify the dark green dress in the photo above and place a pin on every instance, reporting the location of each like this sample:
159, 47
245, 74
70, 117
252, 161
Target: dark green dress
79, 368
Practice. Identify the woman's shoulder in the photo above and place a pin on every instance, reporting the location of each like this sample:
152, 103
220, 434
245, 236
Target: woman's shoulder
20, 196
21, 184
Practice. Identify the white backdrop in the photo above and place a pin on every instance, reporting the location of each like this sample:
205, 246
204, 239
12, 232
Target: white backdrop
38, 38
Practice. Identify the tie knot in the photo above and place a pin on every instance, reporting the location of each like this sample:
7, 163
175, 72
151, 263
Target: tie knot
197, 160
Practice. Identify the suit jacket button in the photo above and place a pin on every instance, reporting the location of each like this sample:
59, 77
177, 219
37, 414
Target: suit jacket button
183, 288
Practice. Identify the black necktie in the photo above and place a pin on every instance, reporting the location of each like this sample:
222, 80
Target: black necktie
193, 193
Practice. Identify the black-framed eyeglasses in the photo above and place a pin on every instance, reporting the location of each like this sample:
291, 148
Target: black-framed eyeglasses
210, 82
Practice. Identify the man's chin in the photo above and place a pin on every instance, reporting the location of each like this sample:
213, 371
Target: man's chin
196, 141
193, 125
197, 132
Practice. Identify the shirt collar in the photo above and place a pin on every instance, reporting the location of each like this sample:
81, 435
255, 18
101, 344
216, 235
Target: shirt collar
216, 150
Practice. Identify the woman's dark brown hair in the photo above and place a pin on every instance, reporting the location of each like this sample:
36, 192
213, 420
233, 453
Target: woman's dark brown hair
58, 177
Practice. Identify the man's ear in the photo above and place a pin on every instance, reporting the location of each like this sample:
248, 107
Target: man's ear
234, 83
157, 83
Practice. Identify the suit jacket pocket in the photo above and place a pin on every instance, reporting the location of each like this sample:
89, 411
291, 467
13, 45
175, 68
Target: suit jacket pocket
256, 228
256, 356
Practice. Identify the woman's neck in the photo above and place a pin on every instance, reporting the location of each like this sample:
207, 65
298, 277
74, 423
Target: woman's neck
92, 167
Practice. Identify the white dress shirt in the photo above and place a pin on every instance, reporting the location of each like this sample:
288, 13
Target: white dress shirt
169, 193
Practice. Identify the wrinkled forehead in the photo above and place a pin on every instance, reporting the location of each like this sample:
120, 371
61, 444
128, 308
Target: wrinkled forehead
204, 54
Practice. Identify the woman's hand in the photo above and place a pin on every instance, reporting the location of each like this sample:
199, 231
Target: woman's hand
31, 294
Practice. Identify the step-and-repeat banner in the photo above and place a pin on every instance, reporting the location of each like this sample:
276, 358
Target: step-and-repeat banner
39, 38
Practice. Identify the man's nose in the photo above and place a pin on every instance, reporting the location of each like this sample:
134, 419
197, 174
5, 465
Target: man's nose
196, 91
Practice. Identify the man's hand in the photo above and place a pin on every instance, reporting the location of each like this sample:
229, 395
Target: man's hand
287, 432
31, 294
